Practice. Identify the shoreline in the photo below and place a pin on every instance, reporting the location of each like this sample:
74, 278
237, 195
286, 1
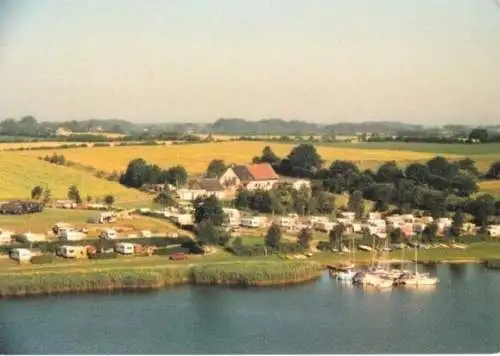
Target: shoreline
237, 274
244, 274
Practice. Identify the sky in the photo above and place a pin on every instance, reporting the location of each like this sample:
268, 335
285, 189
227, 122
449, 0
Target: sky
418, 61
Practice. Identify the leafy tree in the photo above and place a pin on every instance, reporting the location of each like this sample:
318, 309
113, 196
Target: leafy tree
242, 199
336, 234
405, 193
396, 236
36, 192
417, 172
342, 176
464, 184
326, 203
165, 199
469, 166
434, 201
208, 234
177, 175
456, 226
109, 199
356, 204
430, 232
389, 172
268, 156
441, 167
494, 171
283, 197
305, 237
210, 209
216, 168
478, 134
74, 194
305, 160
273, 236
47, 196
89, 199
136, 174
300, 200
382, 194
482, 208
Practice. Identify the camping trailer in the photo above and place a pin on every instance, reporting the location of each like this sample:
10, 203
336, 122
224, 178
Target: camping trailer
20, 254
108, 234
71, 251
252, 222
6, 237
71, 235
125, 248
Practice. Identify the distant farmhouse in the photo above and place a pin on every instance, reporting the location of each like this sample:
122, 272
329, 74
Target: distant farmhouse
250, 176
61, 131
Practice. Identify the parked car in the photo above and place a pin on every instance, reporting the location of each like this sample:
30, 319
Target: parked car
179, 256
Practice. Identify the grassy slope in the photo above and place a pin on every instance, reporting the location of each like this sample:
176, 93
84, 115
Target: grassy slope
196, 157
19, 174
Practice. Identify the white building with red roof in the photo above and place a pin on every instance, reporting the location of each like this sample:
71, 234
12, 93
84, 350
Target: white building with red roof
249, 176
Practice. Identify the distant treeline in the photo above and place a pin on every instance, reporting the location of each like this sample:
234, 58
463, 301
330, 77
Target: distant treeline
29, 127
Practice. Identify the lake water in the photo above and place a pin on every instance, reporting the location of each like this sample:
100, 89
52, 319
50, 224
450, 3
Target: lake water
460, 315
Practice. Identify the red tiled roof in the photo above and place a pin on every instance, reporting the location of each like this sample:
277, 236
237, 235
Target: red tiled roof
262, 171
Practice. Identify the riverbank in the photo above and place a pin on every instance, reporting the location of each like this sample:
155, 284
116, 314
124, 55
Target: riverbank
248, 273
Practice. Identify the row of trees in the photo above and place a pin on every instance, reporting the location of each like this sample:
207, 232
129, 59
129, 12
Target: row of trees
437, 186
139, 172
38, 192
285, 200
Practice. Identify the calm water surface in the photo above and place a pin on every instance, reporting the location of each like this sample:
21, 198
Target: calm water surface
461, 315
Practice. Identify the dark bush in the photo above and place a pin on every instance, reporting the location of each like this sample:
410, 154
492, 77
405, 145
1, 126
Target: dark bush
243, 250
43, 259
104, 256
325, 246
171, 251
290, 247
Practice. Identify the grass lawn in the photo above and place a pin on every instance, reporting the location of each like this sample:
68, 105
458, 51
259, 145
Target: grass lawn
482, 250
43, 222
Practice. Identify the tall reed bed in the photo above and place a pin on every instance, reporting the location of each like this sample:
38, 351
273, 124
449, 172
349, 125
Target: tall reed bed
92, 281
256, 273
248, 273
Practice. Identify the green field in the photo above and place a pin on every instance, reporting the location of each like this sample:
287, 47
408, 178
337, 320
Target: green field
437, 148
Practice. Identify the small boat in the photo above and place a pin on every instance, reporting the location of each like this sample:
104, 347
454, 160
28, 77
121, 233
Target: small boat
459, 246
367, 279
365, 248
416, 279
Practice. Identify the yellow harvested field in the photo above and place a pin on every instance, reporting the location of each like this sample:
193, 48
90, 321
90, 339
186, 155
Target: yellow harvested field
490, 186
195, 157
19, 174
